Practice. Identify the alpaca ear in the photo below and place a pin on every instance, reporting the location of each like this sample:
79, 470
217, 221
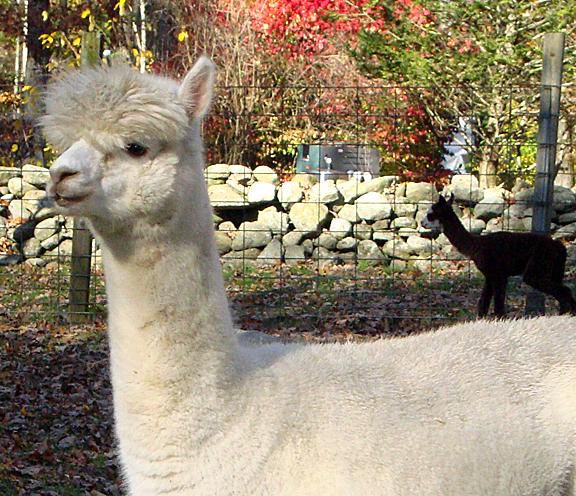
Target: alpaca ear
195, 92
451, 199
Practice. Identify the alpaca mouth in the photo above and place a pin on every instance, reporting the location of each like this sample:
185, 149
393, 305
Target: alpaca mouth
66, 201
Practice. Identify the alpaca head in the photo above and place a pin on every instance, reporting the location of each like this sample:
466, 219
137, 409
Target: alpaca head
438, 213
128, 142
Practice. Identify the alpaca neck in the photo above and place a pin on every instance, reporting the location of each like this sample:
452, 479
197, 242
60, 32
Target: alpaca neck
457, 234
171, 292
169, 324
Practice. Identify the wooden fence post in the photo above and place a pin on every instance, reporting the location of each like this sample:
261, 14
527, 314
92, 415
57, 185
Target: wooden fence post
79, 295
548, 117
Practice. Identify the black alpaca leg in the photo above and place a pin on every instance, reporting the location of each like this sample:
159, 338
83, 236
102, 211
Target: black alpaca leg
562, 294
500, 297
565, 299
485, 297
548, 276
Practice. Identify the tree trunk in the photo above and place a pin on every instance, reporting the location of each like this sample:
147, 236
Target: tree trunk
488, 148
487, 174
488, 168
37, 67
162, 37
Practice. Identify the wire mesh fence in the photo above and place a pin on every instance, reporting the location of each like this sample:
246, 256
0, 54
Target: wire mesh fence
308, 233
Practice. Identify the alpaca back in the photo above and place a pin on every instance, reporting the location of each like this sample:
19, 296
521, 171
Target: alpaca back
476, 409
481, 408
509, 254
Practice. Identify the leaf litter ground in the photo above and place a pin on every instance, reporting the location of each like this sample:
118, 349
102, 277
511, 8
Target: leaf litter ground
56, 435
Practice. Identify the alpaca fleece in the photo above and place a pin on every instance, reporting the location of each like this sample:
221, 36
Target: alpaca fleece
484, 408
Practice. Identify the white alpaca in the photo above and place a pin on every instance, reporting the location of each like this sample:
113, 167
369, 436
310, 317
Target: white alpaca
486, 408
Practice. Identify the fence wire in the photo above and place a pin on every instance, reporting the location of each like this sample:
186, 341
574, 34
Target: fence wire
356, 259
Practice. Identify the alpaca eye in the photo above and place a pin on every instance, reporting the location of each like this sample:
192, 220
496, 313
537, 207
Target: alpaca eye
135, 149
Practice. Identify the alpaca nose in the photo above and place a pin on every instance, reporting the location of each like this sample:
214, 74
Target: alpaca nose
61, 172
72, 162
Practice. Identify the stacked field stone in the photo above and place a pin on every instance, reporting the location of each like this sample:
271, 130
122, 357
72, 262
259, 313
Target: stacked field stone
263, 220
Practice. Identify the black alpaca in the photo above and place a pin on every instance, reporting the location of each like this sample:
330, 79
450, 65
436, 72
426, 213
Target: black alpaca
539, 259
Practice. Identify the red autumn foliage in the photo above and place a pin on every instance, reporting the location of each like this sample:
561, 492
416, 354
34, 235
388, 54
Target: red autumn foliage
309, 27
310, 30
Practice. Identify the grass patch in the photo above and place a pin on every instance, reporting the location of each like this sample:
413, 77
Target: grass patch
7, 488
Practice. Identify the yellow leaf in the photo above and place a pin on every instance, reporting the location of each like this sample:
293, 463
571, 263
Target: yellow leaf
77, 41
46, 39
182, 35
14, 148
26, 87
135, 52
121, 7
85, 13
44, 15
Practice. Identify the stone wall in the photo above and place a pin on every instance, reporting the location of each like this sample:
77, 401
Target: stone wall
262, 220
29, 230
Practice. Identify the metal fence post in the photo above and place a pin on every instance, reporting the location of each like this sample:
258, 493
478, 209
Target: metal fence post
548, 118
79, 295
